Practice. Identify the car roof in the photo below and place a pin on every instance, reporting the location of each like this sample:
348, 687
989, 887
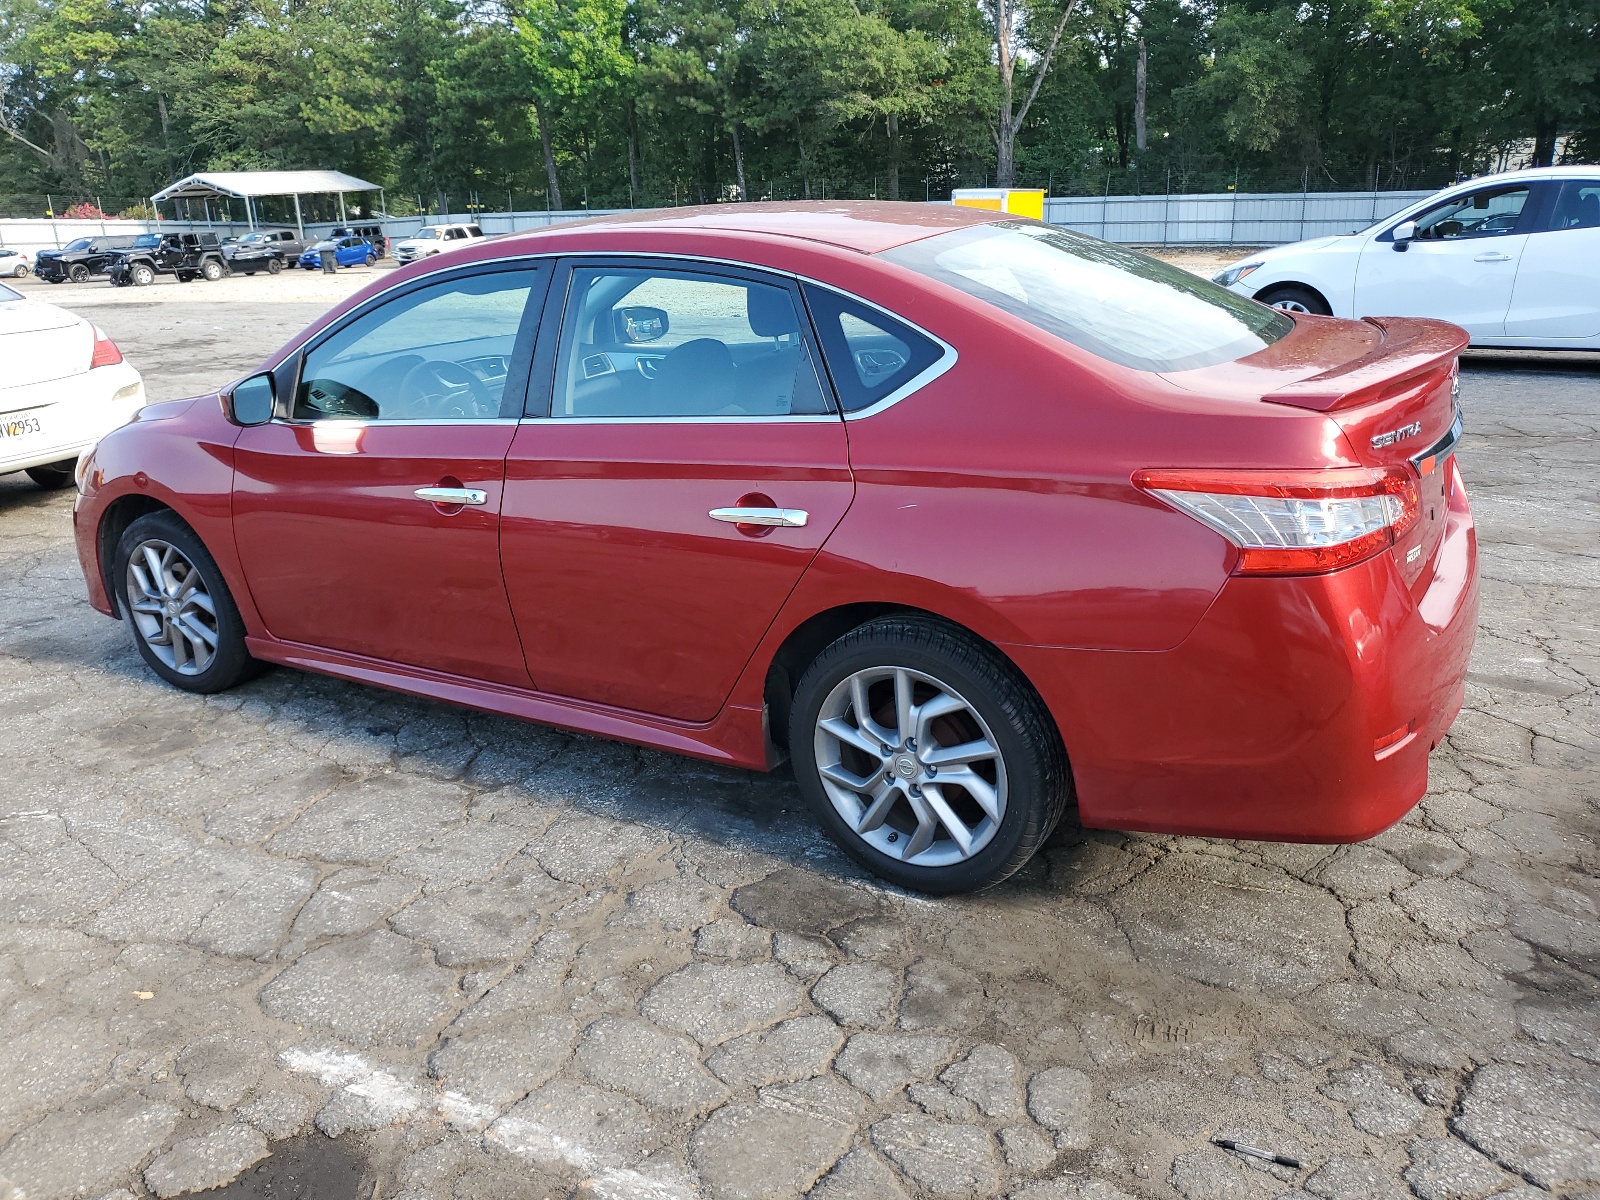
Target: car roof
1530, 174
865, 226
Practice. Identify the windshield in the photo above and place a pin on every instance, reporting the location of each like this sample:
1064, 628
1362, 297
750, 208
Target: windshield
1116, 303
146, 241
77, 244
428, 233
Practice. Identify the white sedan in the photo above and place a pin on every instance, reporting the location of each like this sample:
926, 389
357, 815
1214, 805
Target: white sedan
63, 386
1513, 259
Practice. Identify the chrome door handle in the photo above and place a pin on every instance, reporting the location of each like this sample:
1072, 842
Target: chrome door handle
761, 516
444, 495
1492, 257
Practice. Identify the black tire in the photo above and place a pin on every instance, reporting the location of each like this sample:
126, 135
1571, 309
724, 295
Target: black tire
21, 272
1294, 297
78, 273
53, 476
211, 270
273, 266
371, 258
1031, 764
141, 275
229, 663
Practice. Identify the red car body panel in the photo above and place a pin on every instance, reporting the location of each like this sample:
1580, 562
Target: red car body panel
999, 496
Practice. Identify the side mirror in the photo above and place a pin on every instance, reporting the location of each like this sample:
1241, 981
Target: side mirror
252, 402
640, 324
1403, 233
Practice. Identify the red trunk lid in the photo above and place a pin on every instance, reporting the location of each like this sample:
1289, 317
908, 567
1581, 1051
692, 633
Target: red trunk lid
1388, 382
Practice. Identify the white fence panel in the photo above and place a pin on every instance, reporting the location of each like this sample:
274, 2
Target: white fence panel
1225, 218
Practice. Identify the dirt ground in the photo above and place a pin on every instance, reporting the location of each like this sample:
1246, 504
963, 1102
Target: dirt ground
313, 939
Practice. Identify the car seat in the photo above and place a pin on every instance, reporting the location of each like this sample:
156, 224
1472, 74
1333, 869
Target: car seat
696, 378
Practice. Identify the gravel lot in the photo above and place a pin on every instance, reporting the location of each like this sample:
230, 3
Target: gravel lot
493, 960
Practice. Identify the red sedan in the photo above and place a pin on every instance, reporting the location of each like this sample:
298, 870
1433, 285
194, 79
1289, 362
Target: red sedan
969, 517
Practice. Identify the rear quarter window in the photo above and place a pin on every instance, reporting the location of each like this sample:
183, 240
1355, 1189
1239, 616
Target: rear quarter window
870, 354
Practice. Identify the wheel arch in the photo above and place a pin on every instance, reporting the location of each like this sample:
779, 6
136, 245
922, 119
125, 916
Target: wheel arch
802, 644
1281, 284
121, 513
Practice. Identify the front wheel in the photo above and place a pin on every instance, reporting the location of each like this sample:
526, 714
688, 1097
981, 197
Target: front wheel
371, 258
184, 622
142, 276
273, 266
78, 273
53, 476
926, 755
1292, 297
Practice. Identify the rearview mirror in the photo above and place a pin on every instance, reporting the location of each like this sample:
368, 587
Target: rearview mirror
640, 324
1403, 233
252, 402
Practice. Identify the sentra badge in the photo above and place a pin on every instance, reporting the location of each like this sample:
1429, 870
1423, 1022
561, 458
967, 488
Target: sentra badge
1397, 435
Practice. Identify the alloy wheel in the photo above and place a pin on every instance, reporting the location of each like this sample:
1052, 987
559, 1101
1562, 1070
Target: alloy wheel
910, 766
171, 608
1290, 306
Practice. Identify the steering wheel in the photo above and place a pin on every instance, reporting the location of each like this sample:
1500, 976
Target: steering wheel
438, 388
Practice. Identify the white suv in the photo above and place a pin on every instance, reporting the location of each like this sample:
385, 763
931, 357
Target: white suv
1510, 258
435, 239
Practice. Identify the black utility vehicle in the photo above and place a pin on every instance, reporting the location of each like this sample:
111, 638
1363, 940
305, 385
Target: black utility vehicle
186, 255
373, 234
262, 250
82, 258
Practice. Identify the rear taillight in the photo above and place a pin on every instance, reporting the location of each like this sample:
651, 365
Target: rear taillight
1294, 522
106, 353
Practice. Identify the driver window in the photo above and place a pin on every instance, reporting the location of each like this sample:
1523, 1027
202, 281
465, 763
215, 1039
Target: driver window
1482, 214
672, 343
439, 353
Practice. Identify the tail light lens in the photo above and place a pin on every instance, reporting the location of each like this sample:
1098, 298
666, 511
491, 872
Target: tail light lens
1294, 522
106, 353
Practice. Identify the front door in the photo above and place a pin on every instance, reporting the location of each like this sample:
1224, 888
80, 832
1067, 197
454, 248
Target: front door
1460, 267
367, 517
667, 499
1557, 296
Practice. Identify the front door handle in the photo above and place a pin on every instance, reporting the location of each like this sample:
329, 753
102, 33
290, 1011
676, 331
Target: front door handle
1492, 257
452, 495
761, 516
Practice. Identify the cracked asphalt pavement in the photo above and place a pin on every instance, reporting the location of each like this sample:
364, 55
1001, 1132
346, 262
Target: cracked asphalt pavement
495, 960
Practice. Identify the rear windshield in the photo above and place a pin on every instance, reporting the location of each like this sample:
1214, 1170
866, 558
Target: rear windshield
1114, 302
7, 294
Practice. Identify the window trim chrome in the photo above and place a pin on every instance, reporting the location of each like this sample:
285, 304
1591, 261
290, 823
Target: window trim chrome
947, 359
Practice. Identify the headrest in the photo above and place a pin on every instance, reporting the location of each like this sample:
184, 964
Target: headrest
771, 311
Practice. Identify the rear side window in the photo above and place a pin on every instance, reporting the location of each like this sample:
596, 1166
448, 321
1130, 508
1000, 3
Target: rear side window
1577, 205
1116, 303
870, 354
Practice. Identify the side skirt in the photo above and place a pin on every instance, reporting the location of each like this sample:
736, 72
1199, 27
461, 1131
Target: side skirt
736, 737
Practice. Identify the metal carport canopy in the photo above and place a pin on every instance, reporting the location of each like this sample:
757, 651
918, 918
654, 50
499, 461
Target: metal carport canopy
246, 185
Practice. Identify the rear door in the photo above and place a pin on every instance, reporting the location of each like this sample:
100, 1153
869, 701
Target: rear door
1557, 293
679, 474
1460, 267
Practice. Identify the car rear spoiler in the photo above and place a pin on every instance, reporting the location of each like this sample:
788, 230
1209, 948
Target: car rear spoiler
1414, 355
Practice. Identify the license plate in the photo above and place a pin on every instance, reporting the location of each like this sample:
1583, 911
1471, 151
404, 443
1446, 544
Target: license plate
20, 427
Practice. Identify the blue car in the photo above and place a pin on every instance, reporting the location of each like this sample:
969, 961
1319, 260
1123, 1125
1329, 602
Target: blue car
348, 250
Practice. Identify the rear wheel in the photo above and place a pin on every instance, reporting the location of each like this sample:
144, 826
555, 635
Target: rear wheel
22, 270
78, 273
184, 622
926, 755
1293, 297
53, 476
211, 270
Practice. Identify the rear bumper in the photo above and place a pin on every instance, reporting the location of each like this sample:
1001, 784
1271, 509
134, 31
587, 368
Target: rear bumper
76, 412
1274, 718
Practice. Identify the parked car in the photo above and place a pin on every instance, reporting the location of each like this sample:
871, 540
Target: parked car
15, 263
435, 239
188, 256
63, 384
82, 258
373, 233
968, 516
349, 251
1512, 259
262, 250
